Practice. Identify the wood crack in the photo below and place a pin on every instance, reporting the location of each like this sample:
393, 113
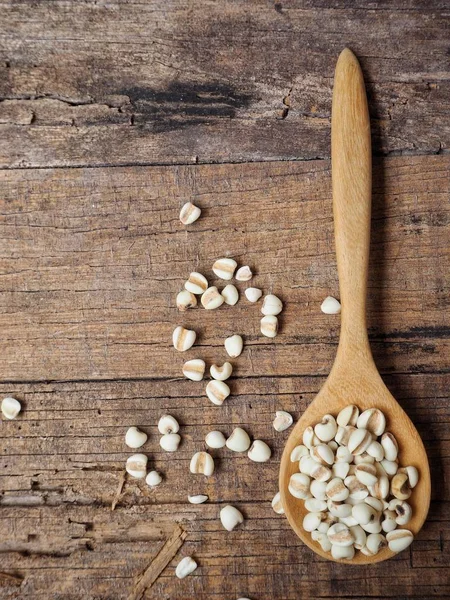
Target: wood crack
62, 99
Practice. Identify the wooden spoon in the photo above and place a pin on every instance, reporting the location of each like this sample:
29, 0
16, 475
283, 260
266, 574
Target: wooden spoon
354, 378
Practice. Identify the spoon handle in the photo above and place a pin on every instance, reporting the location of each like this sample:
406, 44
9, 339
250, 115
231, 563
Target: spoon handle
351, 161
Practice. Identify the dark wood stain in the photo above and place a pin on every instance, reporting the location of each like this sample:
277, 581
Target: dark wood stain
183, 105
64, 100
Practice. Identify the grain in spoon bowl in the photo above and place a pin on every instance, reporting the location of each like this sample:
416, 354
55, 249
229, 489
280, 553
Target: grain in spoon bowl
361, 505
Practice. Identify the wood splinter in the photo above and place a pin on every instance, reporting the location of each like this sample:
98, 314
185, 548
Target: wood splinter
119, 490
8, 579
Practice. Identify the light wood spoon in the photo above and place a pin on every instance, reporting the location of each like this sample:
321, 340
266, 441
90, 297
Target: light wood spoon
354, 378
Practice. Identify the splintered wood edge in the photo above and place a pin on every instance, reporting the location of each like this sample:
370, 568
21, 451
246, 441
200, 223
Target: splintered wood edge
159, 563
119, 490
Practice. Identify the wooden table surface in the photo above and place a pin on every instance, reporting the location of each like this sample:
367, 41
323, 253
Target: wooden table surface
113, 114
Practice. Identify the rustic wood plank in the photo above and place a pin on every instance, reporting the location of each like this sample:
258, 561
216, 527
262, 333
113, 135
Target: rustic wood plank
75, 552
67, 447
62, 459
91, 262
117, 83
70, 551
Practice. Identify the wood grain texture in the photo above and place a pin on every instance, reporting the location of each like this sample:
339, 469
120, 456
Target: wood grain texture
354, 378
61, 498
351, 172
163, 82
91, 261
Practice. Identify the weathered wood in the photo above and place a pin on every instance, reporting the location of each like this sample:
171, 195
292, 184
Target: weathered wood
62, 459
93, 83
68, 444
87, 242
74, 552
92, 260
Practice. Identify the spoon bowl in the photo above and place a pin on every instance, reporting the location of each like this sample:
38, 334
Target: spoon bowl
362, 386
354, 378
